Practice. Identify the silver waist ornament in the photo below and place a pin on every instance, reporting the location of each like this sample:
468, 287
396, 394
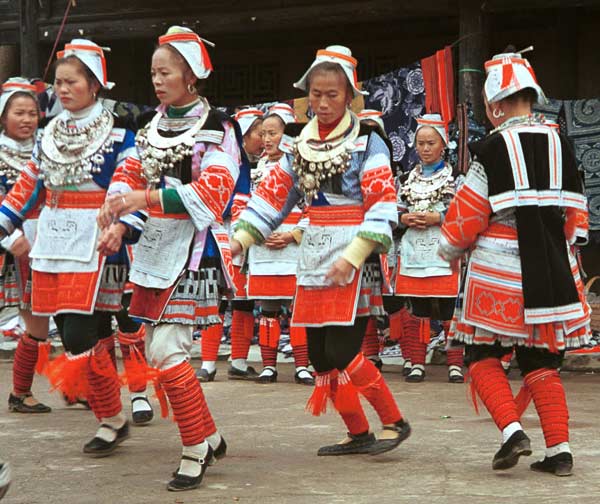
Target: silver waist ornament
315, 161
160, 153
11, 163
422, 193
71, 155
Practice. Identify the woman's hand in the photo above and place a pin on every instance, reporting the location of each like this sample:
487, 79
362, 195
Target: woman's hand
339, 273
118, 205
421, 220
111, 239
21, 247
279, 240
236, 247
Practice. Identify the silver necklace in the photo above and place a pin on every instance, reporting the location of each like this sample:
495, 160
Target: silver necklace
422, 193
12, 162
160, 153
315, 161
71, 155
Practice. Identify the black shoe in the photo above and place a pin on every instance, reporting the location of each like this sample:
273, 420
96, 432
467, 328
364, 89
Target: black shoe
17, 404
234, 373
406, 368
455, 375
416, 375
99, 447
204, 376
78, 400
560, 464
508, 455
142, 417
218, 453
360, 443
269, 377
181, 483
402, 428
304, 380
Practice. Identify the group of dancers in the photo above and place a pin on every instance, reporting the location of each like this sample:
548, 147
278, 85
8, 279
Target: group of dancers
158, 227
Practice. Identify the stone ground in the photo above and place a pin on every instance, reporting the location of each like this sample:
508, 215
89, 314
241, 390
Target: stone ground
272, 451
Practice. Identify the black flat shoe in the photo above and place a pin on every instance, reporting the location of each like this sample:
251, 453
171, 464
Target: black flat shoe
78, 400
455, 375
142, 417
99, 447
406, 368
17, 405
267, 377
402, 428
358, 444
181, 482
560, 464
218, 453
303, 377
518, 445
416, 375
204, 376
234, 373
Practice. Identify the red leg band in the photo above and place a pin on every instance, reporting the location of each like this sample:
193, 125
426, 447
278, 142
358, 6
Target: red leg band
187, 401
105, 396
211, 340
345, 398
550, 402
300, 355
269, 356
370, 383
297, 336
26, 357
134, 360
370, 345
454, 356
242, 331
411, 334
491, 384
269, 332
109, 344
396, 326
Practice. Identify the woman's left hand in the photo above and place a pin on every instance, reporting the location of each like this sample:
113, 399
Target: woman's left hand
279, 240
431, 218
339, 273
118, 205
111, 239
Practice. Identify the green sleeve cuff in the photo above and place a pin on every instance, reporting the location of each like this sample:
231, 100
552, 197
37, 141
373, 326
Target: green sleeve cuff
383, 241
171, 202
251, 230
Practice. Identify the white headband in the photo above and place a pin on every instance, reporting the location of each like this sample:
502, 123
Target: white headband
15, 85
372, 115
246, 118
191, 47
92, 56
340, 55
284, 112
433, 121
507, 74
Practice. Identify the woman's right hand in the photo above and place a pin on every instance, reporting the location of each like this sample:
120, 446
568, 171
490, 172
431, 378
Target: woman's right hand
111, 239
413, 219
21, 247
236, 248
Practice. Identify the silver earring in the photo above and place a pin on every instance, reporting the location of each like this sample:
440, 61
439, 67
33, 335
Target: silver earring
191, 89
497, 113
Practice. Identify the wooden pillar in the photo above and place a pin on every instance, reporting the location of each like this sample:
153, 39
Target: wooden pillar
28, 38
8, 62
472, 54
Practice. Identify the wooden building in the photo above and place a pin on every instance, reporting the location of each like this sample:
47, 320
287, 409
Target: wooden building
265, 45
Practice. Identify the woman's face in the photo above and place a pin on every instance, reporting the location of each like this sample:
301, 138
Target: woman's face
72, 87
328, 96
20, 119
253, 139
430, 145
272, 132
171, 78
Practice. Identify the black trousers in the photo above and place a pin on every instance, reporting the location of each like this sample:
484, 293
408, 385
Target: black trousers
393, 304
334, 347
435, 308
528, 358
80, 333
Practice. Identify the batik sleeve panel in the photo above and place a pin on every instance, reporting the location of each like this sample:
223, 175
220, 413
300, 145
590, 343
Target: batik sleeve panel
379, 195
268, 205
206, 198
24, 196
467, 216
129, 177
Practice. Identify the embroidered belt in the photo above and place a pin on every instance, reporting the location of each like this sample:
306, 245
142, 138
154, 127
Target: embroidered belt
74, 199
343, 215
